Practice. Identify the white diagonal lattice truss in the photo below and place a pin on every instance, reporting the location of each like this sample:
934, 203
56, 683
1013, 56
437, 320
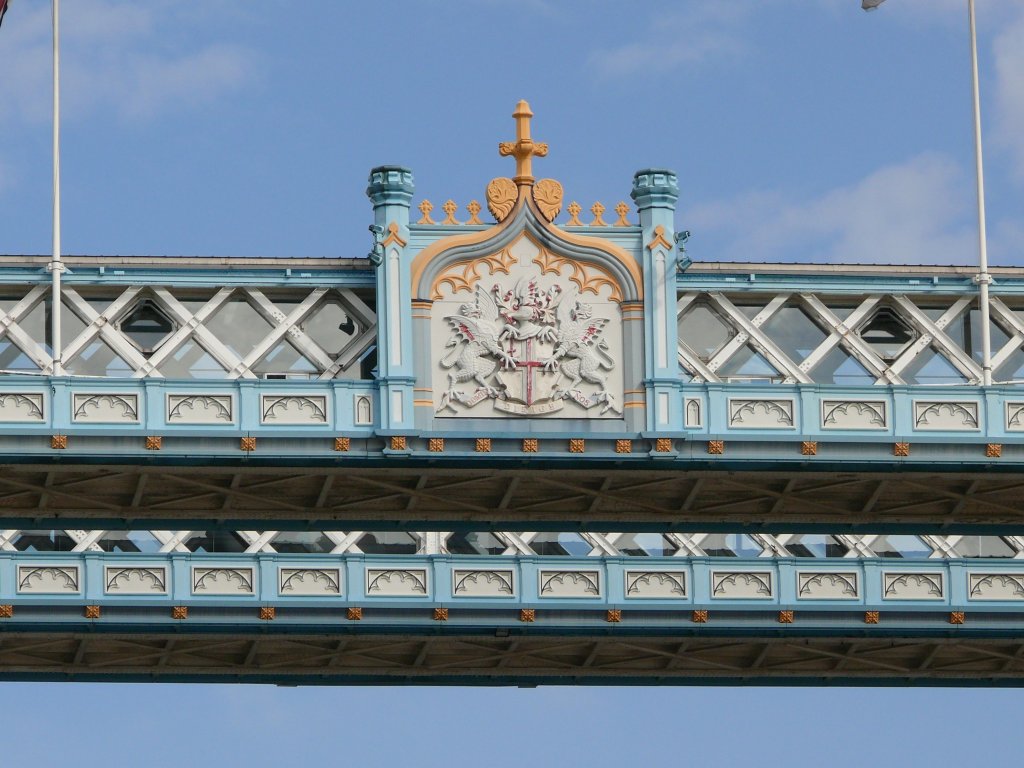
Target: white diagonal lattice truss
510, 543
845, 339
231, 333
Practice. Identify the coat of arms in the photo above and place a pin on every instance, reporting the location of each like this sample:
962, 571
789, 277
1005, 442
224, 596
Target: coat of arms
528, 349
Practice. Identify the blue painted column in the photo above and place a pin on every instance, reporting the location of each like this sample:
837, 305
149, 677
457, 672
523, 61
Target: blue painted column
390, 190
655, 192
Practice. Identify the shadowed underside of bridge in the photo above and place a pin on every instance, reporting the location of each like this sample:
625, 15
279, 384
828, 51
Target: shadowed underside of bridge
466, 658
452, 496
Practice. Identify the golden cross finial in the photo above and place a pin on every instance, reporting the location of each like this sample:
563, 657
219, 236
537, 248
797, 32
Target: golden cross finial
523, 148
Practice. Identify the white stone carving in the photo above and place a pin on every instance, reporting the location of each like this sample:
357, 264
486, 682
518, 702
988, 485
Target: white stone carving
528, 340
48, 579
310, 581
22, 406
693, 412
827, 585
570, 584
396, 582
995, 586
222, 581
293, 409
854, 414
660, 585
200, 409
106, 408
363, 409
950, 415
135, 580
483, 583
761, 413
741, 585
913, 586
1014, 417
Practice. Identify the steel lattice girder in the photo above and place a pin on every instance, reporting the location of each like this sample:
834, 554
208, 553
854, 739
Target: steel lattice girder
463, 658
450, 497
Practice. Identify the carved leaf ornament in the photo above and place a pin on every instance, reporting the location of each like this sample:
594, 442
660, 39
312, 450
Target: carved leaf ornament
502, 194
547, 194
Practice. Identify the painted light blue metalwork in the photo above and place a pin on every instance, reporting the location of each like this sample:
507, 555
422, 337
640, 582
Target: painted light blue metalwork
949, 585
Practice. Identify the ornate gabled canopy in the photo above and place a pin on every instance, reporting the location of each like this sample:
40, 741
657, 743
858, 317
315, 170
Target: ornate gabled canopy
523, 206
528, 319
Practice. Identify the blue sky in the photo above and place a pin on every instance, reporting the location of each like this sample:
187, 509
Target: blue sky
156, 726
802, 130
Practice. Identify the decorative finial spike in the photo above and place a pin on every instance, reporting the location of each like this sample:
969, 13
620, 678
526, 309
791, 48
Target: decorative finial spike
523, 148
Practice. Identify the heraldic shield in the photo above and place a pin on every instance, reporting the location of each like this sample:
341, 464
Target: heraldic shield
527, 318
526, 332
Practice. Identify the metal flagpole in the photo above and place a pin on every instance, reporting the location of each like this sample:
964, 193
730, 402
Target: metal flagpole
56, 267
983, 279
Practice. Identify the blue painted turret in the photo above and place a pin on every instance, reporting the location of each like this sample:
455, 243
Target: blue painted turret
390, 189
655, 192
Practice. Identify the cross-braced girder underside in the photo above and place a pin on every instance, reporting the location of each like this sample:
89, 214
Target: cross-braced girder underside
446, 497
466, 659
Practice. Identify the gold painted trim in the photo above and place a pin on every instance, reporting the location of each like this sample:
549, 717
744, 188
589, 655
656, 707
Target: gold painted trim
470, 276
549, 262
450, 207
393, 236
439, 247
425, 208
659, 239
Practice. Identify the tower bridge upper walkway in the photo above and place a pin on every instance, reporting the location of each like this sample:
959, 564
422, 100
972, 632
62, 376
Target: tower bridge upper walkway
539, 446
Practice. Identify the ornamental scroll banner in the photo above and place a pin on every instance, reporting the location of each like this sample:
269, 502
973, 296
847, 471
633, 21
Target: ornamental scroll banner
525, 332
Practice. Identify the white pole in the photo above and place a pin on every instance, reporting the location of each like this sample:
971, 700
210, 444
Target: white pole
56, 267
983, 279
